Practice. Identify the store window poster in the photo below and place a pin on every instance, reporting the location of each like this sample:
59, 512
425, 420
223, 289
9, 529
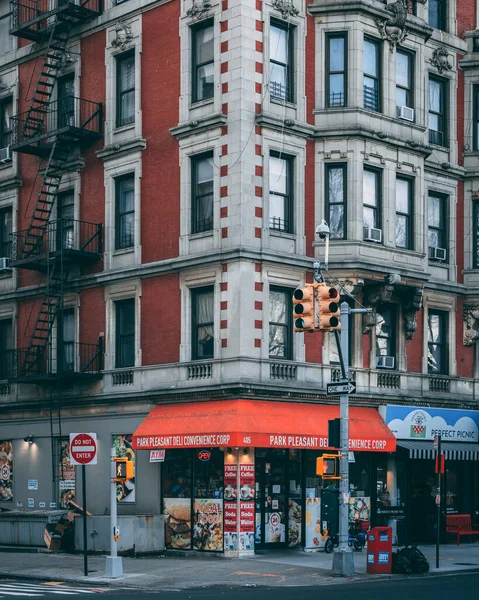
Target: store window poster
208, 528
6, 470
125, 491
66, 475
360, 508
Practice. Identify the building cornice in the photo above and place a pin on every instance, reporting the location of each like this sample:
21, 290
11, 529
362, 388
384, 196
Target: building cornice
9, 183
121, 149
200, 125
287, 126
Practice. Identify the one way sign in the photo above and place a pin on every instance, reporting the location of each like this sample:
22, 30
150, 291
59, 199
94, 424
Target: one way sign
342, 387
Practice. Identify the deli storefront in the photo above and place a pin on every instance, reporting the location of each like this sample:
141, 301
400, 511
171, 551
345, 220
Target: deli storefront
240, 475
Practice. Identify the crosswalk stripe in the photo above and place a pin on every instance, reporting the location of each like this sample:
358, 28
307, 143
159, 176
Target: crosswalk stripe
48, 588
34, 595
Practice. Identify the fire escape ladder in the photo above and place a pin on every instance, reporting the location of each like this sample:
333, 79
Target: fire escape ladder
50, 306
36, 119
52, 175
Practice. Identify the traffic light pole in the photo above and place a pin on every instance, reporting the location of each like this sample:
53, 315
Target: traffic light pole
114, 563
343, 560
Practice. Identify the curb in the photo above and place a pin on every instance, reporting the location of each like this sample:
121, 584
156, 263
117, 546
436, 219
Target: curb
331, 580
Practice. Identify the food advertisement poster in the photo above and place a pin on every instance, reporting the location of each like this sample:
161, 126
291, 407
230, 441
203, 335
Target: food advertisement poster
360, 508
230, 487
294, 524
125, 491
231, 517
208, 528
247, 517
6, 471
275, 530
66, 475
246, 491
177, 513
313, 523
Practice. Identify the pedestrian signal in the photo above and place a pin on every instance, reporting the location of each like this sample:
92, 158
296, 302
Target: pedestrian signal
124, 469
327, 466
329, 313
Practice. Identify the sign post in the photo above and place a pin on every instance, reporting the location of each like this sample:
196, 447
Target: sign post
114, 563
437, 445
83, 452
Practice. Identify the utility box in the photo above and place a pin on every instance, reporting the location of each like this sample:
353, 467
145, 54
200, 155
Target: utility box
380, 547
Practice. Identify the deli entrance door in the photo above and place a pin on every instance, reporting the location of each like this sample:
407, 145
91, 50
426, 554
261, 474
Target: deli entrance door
271, 498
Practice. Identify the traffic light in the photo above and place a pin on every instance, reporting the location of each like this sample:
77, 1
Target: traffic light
334, 429
329, 314
303, 308
124, 469
327, 466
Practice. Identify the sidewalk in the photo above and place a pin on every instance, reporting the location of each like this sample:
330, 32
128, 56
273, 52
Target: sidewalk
287, 568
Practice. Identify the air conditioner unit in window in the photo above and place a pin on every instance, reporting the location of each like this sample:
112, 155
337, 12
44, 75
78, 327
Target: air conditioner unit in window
437, 253
5, 264
386, 362
372, 235
5, 155
406, 113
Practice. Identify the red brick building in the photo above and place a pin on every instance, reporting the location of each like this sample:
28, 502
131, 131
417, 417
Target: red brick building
163, 168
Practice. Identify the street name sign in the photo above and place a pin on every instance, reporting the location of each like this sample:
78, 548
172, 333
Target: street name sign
341, 387
83, 448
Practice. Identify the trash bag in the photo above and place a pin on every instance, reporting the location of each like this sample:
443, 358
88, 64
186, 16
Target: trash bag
400, 563
418, 562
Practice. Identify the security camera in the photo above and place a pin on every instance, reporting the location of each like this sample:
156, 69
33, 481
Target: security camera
322, 229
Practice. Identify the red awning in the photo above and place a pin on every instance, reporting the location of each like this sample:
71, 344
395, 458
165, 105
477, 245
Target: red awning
260, 424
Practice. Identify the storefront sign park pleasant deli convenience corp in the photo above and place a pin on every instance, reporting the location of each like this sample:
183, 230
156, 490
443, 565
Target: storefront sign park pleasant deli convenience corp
261, 424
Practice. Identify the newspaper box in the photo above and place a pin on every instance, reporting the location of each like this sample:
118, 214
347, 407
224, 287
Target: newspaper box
380, 546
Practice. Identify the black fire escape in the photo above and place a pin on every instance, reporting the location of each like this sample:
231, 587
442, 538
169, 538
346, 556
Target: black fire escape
53, 130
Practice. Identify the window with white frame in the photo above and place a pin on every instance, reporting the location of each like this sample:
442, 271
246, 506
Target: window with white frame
202, 192
438, 111
6, 232
125, 89
437, 14
386, 336
203, 323
6, 40
372, 204
125, 333
281, 192
372, 74
203, 61
280, 323
6, 113
437, 226
6, 347
336, 200
404, 213
336, 69
404, 84
437, 322
281, 61
125, 211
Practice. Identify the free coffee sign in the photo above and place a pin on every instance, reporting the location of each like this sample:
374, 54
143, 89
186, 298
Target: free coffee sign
83, 448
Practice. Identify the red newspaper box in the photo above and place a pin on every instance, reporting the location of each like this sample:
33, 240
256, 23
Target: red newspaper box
380, 546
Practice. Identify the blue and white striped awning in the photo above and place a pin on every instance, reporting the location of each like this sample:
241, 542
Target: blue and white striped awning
452, 450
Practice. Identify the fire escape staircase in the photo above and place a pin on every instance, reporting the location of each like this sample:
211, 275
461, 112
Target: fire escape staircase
42, 131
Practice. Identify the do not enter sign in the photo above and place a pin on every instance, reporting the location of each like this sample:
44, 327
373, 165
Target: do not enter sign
83, 448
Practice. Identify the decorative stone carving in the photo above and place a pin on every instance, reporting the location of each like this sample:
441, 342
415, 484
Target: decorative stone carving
393, 29
123, 35
411, 307
3, 85
286, 8
471, 324
374, 295
440, 59
198, 9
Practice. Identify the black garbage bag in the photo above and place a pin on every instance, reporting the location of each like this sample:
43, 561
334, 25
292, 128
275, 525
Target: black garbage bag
417, 560
400, 563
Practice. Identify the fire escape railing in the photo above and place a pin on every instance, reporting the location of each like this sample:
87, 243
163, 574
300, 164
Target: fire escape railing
63, 235
75, 117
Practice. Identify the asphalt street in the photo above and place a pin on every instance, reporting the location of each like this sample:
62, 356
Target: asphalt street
463, 585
